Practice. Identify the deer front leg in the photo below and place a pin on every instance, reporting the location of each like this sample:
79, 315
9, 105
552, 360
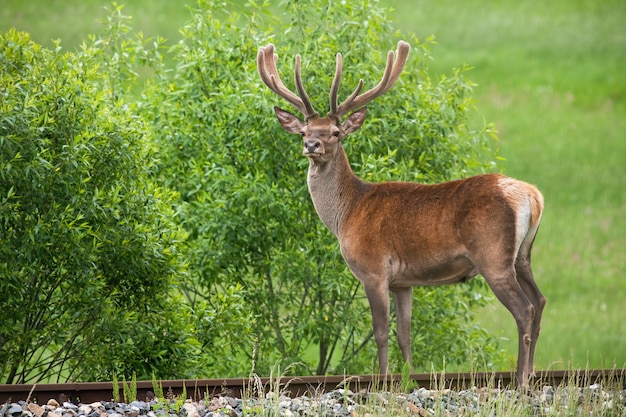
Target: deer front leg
378, 297
403, 300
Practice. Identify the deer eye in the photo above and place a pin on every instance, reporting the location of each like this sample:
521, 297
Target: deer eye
336, 133
302, 133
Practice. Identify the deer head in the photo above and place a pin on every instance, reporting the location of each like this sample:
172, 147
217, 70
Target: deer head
322, 134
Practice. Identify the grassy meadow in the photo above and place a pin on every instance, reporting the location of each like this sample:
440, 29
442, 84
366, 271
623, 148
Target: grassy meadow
552, 78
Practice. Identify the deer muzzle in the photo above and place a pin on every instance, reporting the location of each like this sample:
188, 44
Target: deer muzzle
311, 146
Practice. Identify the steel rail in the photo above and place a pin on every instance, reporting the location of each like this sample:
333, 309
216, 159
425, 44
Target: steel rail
89, 392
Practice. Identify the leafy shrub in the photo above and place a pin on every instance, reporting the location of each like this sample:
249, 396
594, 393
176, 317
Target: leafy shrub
242, 182
89, 255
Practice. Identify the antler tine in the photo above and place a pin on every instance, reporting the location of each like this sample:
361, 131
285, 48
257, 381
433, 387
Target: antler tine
266, 65
306, 101
393, 69
334, 88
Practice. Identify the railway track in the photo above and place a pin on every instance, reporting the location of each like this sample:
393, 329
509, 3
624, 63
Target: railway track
88, 392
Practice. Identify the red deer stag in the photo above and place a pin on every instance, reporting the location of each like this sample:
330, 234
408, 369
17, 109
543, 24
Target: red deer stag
396, 235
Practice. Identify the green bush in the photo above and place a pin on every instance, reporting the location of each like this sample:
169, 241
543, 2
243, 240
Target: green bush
89, 255
242, 182
168, 230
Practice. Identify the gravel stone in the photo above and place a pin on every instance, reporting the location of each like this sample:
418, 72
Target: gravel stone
15, 410
343, 403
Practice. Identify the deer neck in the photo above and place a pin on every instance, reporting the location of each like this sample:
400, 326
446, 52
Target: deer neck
334, 189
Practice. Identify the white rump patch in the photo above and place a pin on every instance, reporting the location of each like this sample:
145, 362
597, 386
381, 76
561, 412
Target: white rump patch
517, 193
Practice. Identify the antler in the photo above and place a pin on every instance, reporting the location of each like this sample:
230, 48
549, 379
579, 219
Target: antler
355, 101
266, 64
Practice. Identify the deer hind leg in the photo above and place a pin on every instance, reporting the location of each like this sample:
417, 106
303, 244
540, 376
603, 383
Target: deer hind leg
403, 300
378, 297
527, 282
506, 288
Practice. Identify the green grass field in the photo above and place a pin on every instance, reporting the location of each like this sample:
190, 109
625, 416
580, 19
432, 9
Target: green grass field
552, 77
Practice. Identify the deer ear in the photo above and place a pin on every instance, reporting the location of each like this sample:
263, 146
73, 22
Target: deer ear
354, 121
288, 121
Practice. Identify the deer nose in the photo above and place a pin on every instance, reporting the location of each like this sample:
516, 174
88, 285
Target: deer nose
311, 145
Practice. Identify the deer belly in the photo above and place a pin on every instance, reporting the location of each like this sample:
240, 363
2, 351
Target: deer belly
451, 271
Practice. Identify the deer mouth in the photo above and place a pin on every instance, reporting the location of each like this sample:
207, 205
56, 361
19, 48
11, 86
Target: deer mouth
312, 154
